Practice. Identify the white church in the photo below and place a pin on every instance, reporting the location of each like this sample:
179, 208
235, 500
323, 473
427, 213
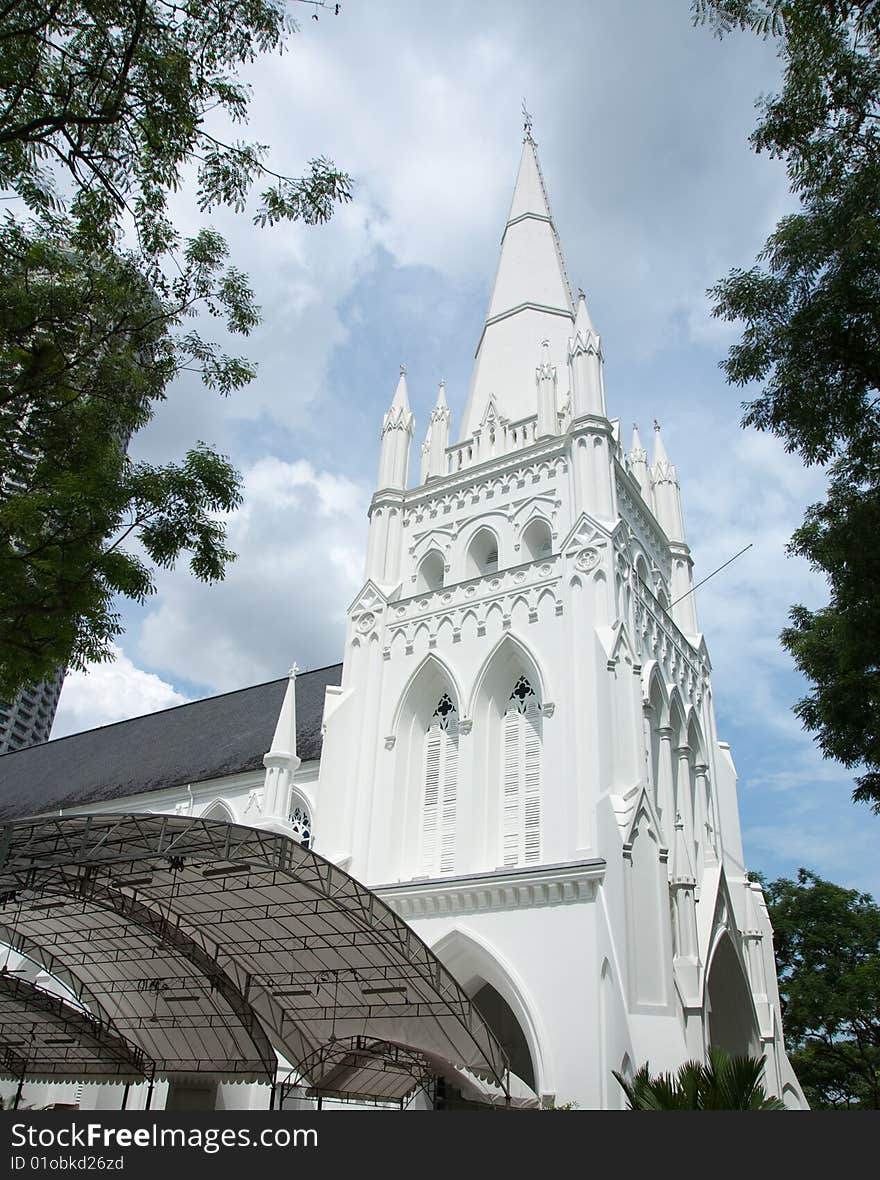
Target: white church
518, 752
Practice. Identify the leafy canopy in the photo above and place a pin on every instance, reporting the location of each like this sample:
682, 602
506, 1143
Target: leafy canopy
106, 109
810, 312
721, 1083
827, 942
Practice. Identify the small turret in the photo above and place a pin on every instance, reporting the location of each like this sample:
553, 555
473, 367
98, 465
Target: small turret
281, 760
586, 365
397, 433
667, 495
638, 465
545, 378
437, 438
667, 509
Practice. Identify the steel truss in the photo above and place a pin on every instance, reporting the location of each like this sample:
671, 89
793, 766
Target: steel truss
211, 946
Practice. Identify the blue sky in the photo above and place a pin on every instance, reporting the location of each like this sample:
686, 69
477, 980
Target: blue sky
642, 123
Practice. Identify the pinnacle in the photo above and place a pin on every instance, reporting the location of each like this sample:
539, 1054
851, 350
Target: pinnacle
660, 456
401, 397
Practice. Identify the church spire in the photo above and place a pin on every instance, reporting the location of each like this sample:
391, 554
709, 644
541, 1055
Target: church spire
531, 301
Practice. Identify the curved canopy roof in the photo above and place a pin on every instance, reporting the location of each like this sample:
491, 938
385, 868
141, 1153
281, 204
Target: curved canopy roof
361, 1068
211, 946
43, 1036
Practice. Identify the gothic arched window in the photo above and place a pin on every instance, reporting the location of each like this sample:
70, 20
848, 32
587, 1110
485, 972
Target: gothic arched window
301, 822
437, 846
521, 793
482, 554
536, 541
431, 572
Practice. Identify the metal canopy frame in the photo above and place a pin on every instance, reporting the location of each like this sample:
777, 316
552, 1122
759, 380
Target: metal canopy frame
43, 1036
210, 946
360, 1069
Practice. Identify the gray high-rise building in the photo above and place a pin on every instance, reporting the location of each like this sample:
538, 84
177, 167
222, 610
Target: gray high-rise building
27, 720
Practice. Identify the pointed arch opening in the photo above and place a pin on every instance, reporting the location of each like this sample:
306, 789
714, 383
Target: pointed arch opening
500, 1017
218, 809
426, 772
300, 819
660, 758
502, 1000
730, 1013
482, 554
536, 542
508, 770
431, 572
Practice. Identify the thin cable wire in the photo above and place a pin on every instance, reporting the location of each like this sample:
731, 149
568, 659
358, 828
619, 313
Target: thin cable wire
712, 575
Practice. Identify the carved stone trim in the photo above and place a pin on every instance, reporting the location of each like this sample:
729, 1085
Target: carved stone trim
504, 889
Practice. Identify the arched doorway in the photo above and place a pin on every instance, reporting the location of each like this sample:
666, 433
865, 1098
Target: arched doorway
500, 1017
730, 1013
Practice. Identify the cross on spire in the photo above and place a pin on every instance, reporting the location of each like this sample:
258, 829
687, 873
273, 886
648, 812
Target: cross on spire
527, 122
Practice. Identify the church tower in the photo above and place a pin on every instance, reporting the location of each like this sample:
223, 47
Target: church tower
522, 757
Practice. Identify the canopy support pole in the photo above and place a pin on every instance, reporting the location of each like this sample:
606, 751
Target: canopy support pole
19, 1090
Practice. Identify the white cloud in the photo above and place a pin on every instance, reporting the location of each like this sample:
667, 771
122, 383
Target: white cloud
110, 692
300, 538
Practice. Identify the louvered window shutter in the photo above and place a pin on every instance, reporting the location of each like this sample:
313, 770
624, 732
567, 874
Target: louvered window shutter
447, 811
510, 803
437, 853
431, 809
532, 784
521, 799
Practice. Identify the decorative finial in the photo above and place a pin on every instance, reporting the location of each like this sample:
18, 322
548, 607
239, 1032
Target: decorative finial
656, 424
442, 382
294, 671
581, 293
527, 121
403, 370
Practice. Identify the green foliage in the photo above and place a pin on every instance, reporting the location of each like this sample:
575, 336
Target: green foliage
811, 336
827, 942
722, 1083
111, 98
106, 107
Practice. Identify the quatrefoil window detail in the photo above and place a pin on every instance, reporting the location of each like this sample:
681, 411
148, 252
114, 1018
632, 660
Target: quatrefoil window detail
443, 713
523, 695
301, 822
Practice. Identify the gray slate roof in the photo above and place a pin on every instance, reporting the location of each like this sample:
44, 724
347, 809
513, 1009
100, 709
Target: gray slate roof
206, 739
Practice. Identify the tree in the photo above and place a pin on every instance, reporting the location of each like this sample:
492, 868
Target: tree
827, 942
722, 1083
105, 108
811, 335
